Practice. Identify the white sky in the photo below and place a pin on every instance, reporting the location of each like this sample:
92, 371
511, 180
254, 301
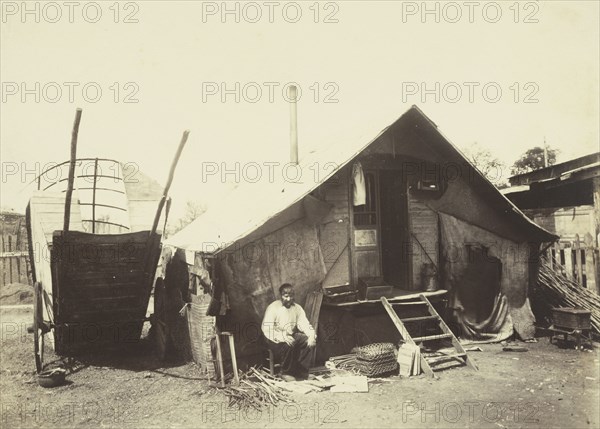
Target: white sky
370, 54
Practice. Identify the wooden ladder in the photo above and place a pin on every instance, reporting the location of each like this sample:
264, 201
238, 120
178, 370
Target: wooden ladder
445, 332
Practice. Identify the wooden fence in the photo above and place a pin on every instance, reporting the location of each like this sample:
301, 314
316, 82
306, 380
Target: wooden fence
580, 260
14, 254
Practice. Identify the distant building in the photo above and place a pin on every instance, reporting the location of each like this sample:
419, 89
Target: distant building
565, 199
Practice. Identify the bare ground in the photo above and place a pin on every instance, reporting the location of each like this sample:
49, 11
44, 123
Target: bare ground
548, 386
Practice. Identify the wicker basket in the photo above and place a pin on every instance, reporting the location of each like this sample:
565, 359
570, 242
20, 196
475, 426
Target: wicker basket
375, 351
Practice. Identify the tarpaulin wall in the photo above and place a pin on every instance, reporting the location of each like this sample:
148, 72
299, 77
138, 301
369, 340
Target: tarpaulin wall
473, 261
252, 274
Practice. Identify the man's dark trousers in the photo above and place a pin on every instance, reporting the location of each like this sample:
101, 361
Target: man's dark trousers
294, 359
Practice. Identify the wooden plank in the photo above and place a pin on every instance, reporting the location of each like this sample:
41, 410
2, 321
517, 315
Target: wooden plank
17, 270
425, 237
432, 337
10, 270
4, 271
14, 254
79, 311
557, 254
104, 272
101, 314
569, 256
590, 270
24, 269
446, 357
418, 319
313, 309
596, 257
367, 263
578, 263
99, 287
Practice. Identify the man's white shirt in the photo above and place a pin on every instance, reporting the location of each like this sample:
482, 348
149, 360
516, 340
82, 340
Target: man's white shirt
280, 322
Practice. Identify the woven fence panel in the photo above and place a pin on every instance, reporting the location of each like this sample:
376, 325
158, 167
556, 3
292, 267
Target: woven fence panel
202, 333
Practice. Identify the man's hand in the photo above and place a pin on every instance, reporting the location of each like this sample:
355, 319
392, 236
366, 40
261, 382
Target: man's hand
289, 340
312, 341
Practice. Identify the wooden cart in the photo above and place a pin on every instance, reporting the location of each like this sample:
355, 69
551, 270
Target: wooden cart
93, 273
573, 322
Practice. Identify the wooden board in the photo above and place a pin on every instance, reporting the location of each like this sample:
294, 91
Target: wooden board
334, 236
102, 285
312, 309
425, 242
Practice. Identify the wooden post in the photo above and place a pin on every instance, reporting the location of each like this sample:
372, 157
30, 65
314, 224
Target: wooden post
220, 358
596, 214
590, 272
596, 220
578, 261
569, 262
236, 378
72, 169
596, 264
94, 196
161, 204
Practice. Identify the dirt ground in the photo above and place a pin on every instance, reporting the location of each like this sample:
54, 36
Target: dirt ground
15, 294
548, 386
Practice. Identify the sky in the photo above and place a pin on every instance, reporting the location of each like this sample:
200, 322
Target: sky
505, 74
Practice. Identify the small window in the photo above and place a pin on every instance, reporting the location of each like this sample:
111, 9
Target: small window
366, 215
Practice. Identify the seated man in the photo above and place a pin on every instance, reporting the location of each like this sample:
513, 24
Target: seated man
289, 334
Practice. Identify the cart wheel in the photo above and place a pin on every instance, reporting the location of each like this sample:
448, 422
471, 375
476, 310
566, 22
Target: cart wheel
38, 326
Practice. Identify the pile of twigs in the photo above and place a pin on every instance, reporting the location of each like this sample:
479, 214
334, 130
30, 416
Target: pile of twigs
558, 290
257, 389
343, 361
347, 362
381, 361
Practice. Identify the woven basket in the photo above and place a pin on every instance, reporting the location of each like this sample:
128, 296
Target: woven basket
375, 351
372, 370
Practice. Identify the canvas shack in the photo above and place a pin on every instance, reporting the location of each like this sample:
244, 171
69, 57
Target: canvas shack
399, 213
565, 199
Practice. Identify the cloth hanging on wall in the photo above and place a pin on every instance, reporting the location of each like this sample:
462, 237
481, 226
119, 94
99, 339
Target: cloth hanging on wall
359, 192
497, 327
470, 256
200, 282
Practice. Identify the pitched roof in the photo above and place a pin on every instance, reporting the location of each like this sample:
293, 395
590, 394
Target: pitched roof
251, 205
557, 170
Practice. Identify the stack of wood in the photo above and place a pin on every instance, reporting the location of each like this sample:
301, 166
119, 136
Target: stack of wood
257, 389
409, 359
347, 362
558, 290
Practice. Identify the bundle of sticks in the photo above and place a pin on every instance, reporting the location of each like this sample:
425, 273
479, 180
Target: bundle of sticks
256, 390
379, 364
558, 290
344, 362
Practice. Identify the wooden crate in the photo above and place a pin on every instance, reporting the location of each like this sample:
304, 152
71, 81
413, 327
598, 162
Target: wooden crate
373, 288
571, 318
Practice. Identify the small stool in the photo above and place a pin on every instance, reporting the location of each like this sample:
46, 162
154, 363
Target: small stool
272, 365
236, 378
